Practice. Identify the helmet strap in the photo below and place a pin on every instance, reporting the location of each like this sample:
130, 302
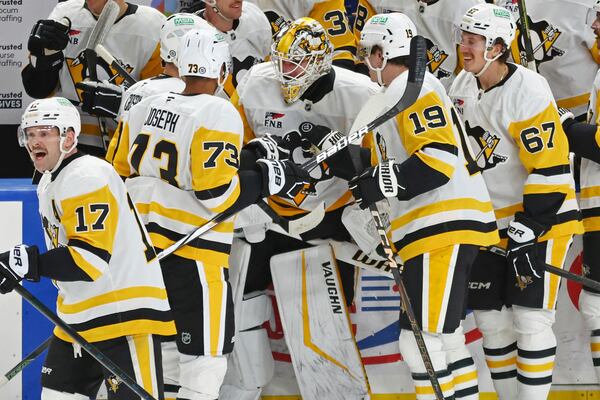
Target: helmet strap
488, 62
213, 5
378, 70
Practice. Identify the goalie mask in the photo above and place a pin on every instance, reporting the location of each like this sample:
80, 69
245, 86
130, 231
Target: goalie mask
390, 32
301, 53
173, 30
493, 23
47, 114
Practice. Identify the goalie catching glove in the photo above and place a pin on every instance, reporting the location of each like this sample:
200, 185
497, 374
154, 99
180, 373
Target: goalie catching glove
376, 183
523, 233
100, 98
282, 178
19, 263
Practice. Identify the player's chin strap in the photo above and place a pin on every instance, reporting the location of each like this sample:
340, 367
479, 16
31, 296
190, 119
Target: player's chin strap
377, 70
213, 4
488, 62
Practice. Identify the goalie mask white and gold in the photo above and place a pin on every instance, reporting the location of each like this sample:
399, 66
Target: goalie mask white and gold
301, 53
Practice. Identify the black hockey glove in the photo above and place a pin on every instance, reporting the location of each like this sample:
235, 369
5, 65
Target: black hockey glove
269, 146
16, 264
100, 98
523, 233
316, 138
375, 184
282, 178
48, 34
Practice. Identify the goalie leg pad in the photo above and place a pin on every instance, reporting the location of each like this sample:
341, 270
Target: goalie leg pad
316, 325
411, 355
250, 365
170, 364
50, 394
201, 376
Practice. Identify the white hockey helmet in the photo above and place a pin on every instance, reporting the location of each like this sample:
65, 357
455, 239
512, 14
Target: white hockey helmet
173, 30
301, 53
55, 112
592, 14
390, 32
204, 53
491, 22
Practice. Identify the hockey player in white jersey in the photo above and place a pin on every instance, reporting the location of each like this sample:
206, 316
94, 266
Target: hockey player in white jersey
523, 153
435, 21
110, 288
296, 99
185, 154
564, 49
247, 31
57, 62
168, 81
582, 142
441, 212
331, 14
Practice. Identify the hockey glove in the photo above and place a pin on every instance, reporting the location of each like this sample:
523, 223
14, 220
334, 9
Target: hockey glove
100, 98
523, 233
375, 184
16, 264
282, 178
270, 147
317, 138
565, 114
48, 34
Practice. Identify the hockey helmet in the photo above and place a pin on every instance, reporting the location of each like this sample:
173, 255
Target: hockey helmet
55, 112
301, 53
491, 22
391, 32
204, 53
592, 14
173, 30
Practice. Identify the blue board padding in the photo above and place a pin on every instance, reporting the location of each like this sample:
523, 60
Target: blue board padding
35, 327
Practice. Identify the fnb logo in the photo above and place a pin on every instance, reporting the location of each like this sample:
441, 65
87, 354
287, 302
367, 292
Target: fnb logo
72, 36
272, 120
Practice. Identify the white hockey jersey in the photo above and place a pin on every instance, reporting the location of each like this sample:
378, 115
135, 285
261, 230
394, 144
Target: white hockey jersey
119, 144
460, 211
564, 47
589, 196
521, 147
185, 151
330, 13
249, 43
434, 21
263, 110
133, 39
85, 207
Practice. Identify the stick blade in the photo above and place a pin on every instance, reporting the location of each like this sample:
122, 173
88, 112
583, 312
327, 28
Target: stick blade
307, 222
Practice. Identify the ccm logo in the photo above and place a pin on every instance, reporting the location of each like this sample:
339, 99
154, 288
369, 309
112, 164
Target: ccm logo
480, 285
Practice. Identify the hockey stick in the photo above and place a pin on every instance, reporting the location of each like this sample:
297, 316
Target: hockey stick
587, 282
408, 97
525, 34
14, 371
416, 74
116, 65
106, 20
90, 348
